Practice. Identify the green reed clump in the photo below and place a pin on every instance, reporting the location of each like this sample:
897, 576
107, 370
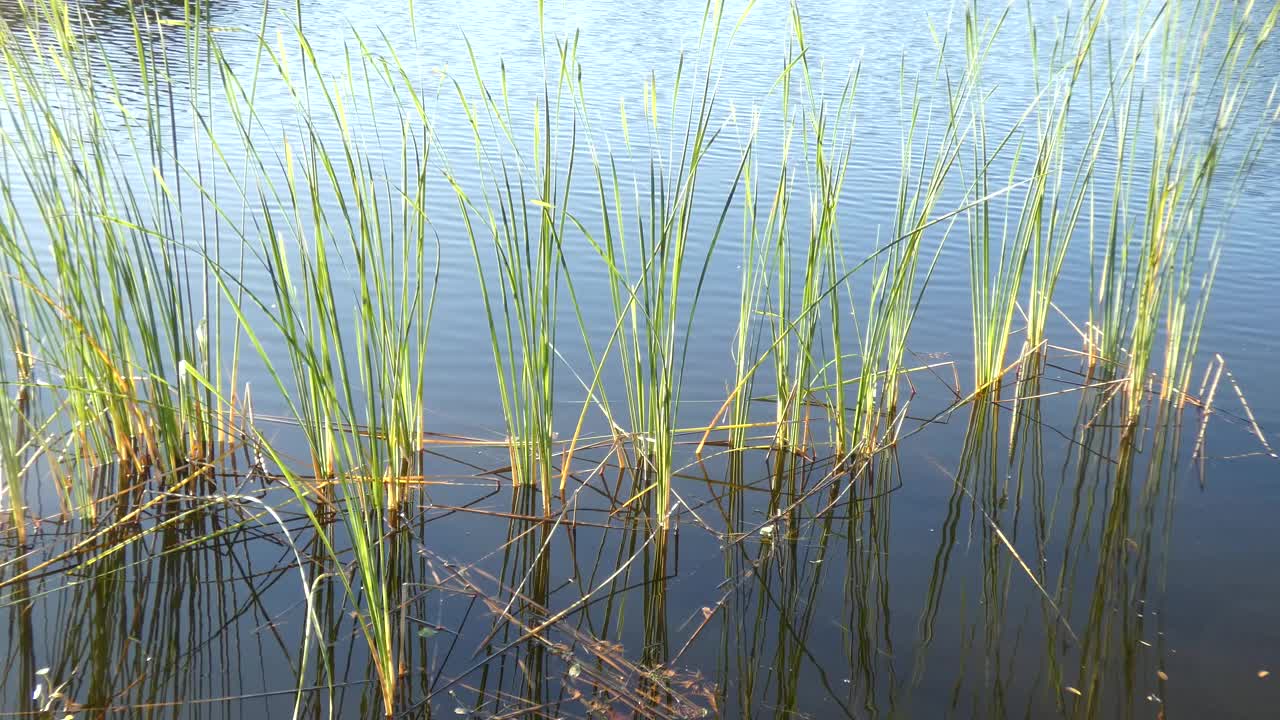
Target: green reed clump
1061, 182
802, 313
930, 152
1020, 238
646, 256
1035, 232
516, 228
327, 206
102, 266
1198, 84
1177, 95
996, 264
14, 400
12, 461
820, 299
1160, 197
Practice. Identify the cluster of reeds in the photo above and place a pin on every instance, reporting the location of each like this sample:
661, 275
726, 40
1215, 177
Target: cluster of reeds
1165, 135
516, 225
650, 260
124, 310
1166, 201
807, 292
330, 206
14, 397
109, 285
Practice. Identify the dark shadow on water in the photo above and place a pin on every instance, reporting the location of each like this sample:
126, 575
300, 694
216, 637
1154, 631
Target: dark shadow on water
1006, 572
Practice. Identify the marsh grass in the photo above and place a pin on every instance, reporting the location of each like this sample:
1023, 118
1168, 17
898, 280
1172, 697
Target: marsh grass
648, 256
892, 298
812, 308
516, 230
113, 304
356, 355
801, 305
15, 400
1151, 275
1150, 272
755, 266
12, 462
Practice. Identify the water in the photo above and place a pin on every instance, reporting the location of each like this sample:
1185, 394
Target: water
1083, 571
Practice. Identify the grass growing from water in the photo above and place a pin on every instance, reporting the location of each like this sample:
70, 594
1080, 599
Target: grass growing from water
648, 257
517, 231
12, 461
1200, 84
356, 350
15, 397
128, 323
805, 299
114, 301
